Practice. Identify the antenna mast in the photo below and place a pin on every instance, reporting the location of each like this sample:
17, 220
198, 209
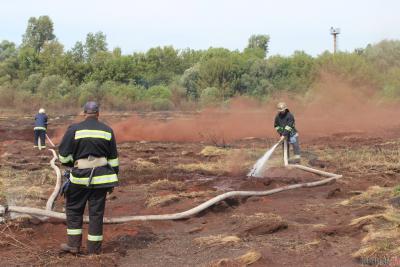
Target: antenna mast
334, 33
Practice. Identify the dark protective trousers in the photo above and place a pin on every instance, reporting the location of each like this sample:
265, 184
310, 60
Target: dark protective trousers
42, 135
294, 141
76, 199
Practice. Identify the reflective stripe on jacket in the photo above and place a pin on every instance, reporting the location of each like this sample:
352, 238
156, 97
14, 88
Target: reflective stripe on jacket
90, 138
285, 124
40, 122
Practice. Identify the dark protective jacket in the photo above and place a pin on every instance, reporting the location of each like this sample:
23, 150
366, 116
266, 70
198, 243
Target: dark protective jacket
40, 121
285, 124
90, 138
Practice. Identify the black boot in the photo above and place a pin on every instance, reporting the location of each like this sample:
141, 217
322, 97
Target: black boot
295, 160
68, 249
94, 247
73, 245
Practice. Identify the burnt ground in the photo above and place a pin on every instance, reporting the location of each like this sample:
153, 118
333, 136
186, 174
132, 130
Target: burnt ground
309, 226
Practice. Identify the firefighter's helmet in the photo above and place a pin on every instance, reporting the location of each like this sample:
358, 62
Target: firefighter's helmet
41, 110
282, 106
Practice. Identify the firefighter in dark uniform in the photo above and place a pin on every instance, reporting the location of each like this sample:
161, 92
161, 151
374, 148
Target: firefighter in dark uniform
285, 126
40, 128
89, 147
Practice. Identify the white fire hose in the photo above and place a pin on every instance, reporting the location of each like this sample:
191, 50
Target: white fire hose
4, 210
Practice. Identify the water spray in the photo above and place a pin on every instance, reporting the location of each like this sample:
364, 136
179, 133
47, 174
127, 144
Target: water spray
46, 213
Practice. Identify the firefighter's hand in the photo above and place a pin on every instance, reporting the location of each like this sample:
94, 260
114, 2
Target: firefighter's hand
282, 138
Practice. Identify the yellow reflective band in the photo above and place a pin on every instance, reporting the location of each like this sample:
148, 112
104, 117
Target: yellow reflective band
66, 159
39, 128
113, 162
103, 179
288, 128
95, 237
74, 231
92, 134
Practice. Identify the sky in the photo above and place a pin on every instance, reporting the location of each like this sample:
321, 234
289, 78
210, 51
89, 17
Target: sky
136, 26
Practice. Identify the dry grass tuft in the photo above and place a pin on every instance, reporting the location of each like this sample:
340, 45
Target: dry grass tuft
162, 200
376, 159
166, 184
195, 194
142, 164
375, 195
249, 258
154, 159
381, 247
217, 168
2, 192
244, 260
319, 226
382, 241
165, 200
217, 240
389, 216
383, 238
213, 151
36, 192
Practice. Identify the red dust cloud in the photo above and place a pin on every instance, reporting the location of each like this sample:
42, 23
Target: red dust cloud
332, 106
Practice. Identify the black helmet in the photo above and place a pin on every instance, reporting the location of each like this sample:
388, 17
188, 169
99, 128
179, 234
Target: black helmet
91, 107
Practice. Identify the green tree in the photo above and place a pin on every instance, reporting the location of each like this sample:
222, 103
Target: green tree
120, 96
74, 70
258, 42
190, 80
351, 66
222, 69
7, 50
51, 58
38, 32
78, 52
384, 55
161, 65
90, 91
210, 96
32, 83
8, 62
391, 87
108, 66
95, 43
48, 87
158, 92
28, 62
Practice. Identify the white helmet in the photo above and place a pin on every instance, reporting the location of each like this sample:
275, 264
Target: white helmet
281, 106
41, 110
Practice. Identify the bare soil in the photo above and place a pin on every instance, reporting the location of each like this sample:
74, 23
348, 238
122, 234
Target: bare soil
313, 229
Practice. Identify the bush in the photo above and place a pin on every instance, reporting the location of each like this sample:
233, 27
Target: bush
210, 96
352, 66
391, 86
158, 92
7, 96
121, 96
295, 73
32, 83
48, 87
161, 104
90, 91
24, 100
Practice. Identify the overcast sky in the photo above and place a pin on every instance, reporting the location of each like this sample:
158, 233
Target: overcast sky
139, 25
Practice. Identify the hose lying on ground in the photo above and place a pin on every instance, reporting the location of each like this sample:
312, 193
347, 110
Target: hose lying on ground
173, 216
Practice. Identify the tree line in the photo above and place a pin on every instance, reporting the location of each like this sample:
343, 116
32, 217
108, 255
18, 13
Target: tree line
42, 71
